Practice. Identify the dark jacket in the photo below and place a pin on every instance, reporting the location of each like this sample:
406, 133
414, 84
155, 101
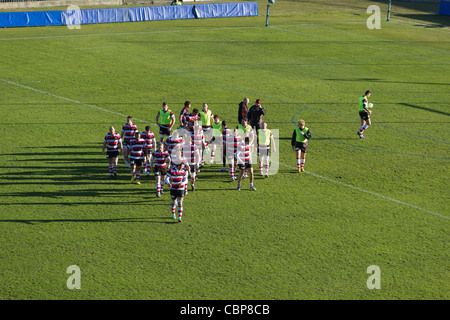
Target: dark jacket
255, 115
243, 110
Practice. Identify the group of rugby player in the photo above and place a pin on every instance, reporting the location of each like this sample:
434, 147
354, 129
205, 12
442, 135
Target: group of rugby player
180, 153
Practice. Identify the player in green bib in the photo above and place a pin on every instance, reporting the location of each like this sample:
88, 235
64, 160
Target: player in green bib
364, 113
205, 117
265, 140
299, 143
165, 119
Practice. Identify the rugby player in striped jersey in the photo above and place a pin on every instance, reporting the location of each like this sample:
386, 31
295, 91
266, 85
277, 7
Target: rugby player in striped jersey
176, 158
150, 139
128, 131
113, 143
197, 142
233, 142
160, 158
174, 143
178, 180
137, 151
243, 157
183, 113
226, 133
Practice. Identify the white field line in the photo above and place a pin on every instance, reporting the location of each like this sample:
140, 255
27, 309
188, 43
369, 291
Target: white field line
368, 192
285, 165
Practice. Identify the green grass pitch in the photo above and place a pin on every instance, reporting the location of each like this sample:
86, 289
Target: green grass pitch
380, 201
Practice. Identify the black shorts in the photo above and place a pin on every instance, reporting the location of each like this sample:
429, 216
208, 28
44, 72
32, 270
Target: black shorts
165, 130
136, 162
244, 166
301, 146
176, 194
160, 171
112, 154
364, 115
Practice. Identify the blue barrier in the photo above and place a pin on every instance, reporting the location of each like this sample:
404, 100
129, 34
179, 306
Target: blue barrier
133, 14
444, 7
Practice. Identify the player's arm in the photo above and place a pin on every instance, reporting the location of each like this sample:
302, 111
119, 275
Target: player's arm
157, 120
172, 123
151, 163
127, 156
308, 135
272, 141
104, 146
293, 140
120, 145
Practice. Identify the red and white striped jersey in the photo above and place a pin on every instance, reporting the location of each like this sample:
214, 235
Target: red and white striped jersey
128, 131
233, 143
137, 148
226, 133
190, 119
184, 112
173, 144
243, 153
149, 139
160, 158
197, 137
112, 141
178, 178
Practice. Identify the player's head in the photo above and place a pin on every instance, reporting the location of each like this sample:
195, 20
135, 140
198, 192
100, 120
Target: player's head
137, 135
161, 146
165, 106
246, 100
258, 102
224, 124
205, 107
264, 125
148, 128
195, 112
112, 130
244, 121
216, 118
187, 104
368, 93
301, 124
129, 119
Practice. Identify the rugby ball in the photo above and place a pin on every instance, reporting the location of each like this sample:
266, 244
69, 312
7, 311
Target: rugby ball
370, 105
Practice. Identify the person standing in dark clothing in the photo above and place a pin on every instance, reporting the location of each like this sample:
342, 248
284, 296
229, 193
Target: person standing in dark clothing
243, 110
255, 115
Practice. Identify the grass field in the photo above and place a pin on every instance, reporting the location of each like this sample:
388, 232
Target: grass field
380, 201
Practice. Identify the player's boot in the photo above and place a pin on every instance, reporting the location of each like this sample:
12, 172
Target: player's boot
252, 188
